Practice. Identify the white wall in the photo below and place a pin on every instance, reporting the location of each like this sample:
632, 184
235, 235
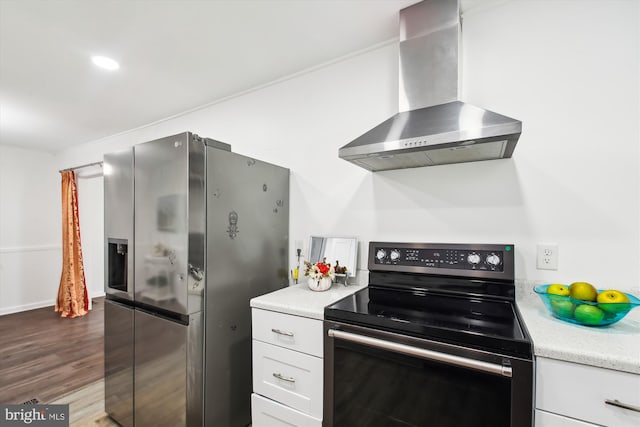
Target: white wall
30, 230
90, 208
568, 69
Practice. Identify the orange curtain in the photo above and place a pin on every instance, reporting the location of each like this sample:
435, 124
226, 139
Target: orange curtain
72, 300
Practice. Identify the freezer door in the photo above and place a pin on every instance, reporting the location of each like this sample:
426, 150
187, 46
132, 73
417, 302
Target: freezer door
168, 371
118, 224
169, 223
247, 244
118, 362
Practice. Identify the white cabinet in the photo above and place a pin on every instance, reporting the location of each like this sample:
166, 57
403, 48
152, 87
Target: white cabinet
266, 412
547, 419
289, 377
284, 330
287, 370
567, 393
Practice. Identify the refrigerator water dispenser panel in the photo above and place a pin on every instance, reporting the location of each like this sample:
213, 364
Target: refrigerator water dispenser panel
117, 264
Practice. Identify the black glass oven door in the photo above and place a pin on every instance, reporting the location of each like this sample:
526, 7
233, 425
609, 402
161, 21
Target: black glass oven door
377, 387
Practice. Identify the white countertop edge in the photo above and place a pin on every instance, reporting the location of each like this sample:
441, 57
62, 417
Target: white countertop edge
299, 300
289, 310
579, 344
595, 360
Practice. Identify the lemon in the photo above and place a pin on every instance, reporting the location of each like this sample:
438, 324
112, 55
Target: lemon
613, 301
583, 291
558, 289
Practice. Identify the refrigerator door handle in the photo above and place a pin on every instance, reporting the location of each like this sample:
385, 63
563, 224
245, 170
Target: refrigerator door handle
196, 273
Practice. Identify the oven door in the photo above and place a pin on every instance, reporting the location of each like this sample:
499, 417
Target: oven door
376, 378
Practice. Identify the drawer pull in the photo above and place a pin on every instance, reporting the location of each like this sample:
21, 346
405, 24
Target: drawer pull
616, 402
283, 378
279, 332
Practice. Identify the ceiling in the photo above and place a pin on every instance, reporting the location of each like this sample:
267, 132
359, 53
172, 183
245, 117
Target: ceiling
174, 56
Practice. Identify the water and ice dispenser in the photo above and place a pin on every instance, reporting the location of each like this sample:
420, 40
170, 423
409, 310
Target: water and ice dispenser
117, 264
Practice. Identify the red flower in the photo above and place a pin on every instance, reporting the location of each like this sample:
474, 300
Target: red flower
318, 270
324, 268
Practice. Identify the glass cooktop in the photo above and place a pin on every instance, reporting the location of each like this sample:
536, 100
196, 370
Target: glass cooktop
485, 324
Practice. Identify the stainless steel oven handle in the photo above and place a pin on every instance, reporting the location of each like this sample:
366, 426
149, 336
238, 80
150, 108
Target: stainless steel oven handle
492, 368
616, 402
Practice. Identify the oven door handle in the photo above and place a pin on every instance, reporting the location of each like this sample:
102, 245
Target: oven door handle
492, 368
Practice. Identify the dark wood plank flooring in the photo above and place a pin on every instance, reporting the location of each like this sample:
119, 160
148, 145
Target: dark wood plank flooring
44, 356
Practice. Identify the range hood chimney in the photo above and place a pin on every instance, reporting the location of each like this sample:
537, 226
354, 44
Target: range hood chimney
433, 126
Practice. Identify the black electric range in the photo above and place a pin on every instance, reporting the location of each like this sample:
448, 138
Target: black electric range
434, 340
453, 293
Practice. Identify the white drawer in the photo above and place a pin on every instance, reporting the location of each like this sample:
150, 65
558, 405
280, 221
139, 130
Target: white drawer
580, 391
547, 419
267, 413
289, 377
294, 332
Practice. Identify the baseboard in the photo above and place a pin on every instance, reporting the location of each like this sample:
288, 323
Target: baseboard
34, 305
25, 307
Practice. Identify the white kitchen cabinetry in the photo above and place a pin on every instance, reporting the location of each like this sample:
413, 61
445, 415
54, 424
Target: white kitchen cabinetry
284, 330
547, 419
267, 413
570, 394
287, 370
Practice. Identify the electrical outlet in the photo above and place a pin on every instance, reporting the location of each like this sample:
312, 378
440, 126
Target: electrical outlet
547, 258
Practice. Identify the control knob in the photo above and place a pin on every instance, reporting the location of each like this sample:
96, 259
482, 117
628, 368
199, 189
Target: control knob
381, 254
493, 259
395, 255
473, 258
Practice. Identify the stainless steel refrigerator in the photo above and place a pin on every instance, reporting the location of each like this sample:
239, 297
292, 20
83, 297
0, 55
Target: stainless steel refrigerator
192, 232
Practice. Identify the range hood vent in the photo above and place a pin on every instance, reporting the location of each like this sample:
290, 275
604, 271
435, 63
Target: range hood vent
434, 127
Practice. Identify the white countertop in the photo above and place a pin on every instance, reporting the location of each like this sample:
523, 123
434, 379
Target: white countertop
299, 300
616, 346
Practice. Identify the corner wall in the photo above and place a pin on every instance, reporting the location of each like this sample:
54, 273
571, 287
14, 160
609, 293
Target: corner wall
31, 230
30, 252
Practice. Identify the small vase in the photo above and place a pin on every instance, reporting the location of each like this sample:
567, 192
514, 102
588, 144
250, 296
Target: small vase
318, 285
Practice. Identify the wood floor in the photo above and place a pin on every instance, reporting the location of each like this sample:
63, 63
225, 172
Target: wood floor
86, 406
44, 356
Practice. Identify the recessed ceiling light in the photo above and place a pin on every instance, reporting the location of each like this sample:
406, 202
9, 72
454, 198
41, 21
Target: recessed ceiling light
104, 62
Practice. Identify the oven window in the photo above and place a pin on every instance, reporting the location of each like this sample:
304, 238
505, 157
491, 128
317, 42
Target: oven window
375, 387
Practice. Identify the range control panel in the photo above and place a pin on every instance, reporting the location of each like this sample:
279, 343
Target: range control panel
423, 257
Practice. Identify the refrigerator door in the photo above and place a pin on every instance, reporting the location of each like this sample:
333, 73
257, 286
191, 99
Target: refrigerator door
247, 247
118, 362
169, 224
118, 224
168, 371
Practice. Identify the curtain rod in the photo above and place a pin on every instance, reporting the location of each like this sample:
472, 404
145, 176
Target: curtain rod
81, 166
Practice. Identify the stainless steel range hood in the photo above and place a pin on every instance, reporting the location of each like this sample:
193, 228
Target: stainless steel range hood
433, 127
